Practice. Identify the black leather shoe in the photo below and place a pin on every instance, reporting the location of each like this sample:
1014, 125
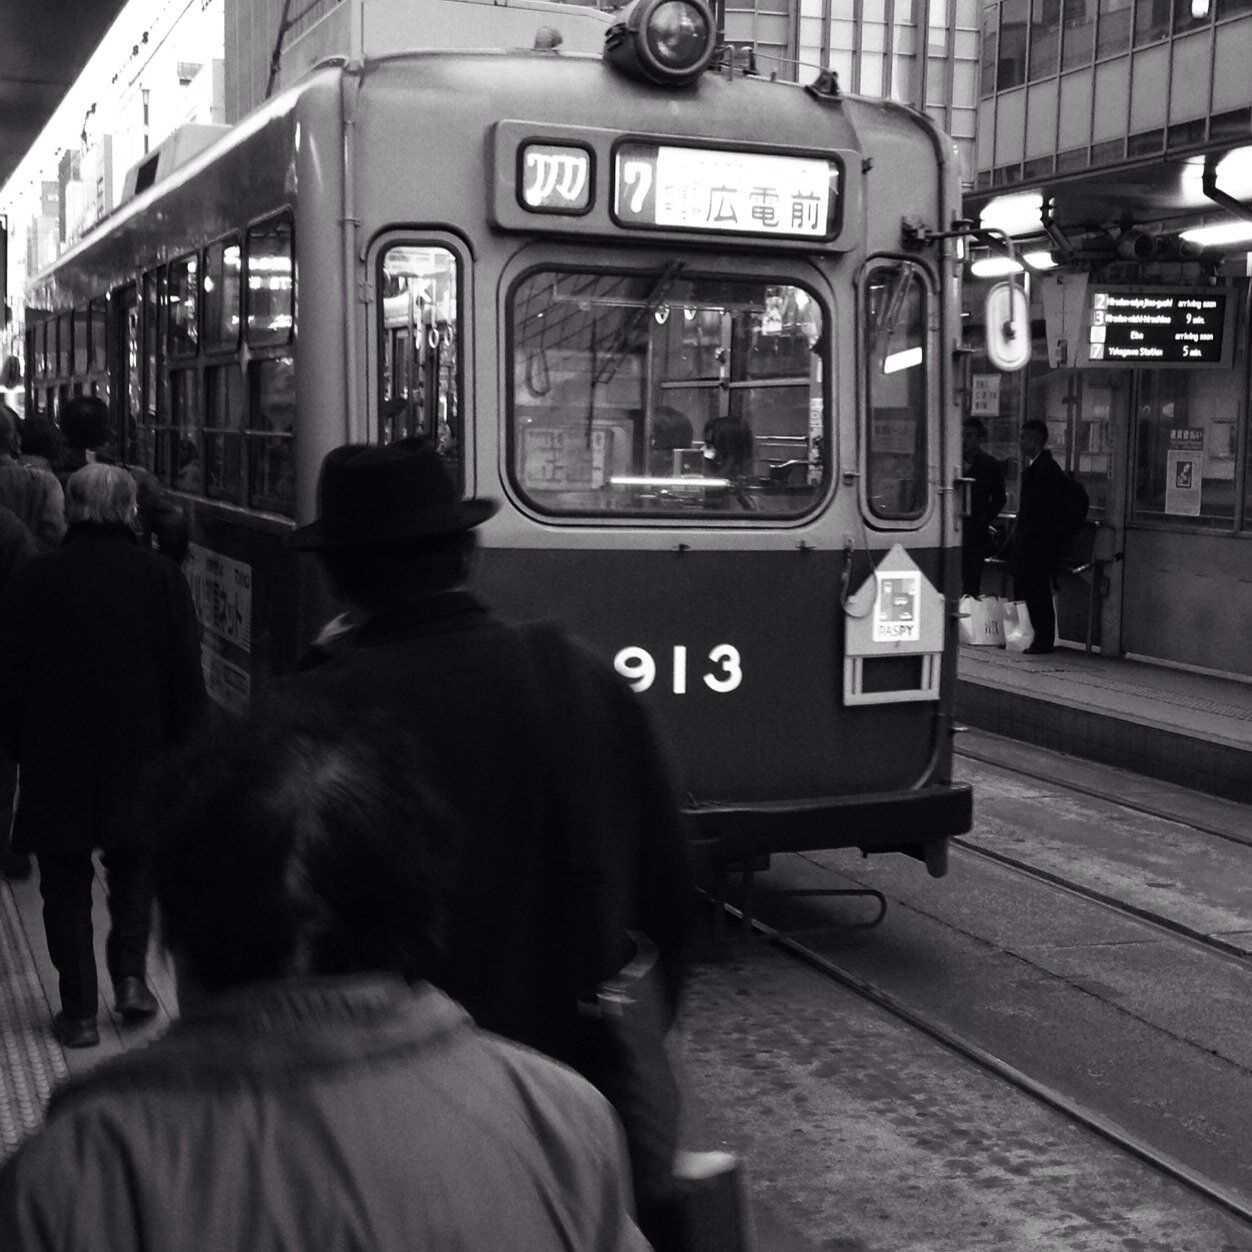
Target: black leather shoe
75, 1032
134, 1000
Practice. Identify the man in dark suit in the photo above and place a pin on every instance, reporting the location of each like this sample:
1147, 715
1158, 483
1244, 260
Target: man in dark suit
1035, 543
987, 498
574, 828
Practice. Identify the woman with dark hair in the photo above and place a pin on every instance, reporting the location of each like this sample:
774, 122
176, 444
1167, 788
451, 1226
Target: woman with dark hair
308, 1097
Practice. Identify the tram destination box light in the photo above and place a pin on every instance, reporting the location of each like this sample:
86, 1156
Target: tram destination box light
669, 42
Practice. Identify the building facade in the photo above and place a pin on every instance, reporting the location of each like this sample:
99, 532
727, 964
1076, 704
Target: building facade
1114, 140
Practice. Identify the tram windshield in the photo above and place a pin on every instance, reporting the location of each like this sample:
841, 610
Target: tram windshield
667, 392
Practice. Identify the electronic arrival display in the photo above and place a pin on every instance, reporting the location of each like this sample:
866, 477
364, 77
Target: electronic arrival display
1146, 328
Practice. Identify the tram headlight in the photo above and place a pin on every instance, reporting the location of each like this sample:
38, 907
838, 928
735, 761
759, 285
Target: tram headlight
665, 41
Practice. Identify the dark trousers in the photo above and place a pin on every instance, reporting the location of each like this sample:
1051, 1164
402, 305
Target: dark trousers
8, 796
973, 557
65, 884
1034, 586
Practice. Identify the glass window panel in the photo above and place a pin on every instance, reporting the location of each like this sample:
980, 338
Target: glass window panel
1045, 37
1151, 20
181, 296
222, 437
271, 427
421, 339
271, 286
179, 450
664, 393
1186, 440
221, 295
64, 342
99, 332
990, 34
81, 341
1011, 67
896, 392
1079, 41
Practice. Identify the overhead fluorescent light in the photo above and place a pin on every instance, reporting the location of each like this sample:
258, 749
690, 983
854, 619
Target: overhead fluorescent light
1221, 233
995, 267
1018, 214
1039, 260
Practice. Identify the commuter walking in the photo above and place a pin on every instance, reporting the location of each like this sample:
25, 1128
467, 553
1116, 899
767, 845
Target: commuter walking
33, 493
987, 496
1038, 532
307, 1097
160, 521
575, 831
99, 671
17, 546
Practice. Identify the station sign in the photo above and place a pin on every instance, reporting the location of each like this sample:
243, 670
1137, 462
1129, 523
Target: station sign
1159, 327
668, 187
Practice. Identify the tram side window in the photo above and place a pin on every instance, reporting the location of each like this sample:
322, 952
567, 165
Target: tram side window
97, 360
146, 432
64, 364
271, 287
895, 313
178, 453
419, 386
222, 437
271, 425
181, 294
662, 393
81, 341
221, 295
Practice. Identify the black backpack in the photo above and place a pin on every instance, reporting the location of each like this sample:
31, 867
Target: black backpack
1074, 505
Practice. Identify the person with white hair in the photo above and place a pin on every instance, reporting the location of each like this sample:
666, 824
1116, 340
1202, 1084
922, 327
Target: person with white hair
99, 672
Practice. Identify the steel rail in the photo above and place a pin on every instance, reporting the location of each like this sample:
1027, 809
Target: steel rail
1135, 806
1175, 929
1097, 1123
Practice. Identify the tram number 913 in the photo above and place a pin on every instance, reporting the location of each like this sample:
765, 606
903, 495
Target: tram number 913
638, 667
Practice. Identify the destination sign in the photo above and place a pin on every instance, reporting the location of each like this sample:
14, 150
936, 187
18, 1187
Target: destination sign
658, 186
1162, 327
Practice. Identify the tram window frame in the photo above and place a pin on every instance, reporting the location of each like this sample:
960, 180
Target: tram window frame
185, 409
725, 402
221, 443
97, 330
872, 347
182, 287
450, 432
271, 225
152, 310
65, 343
82, 340
262, 440
214, 314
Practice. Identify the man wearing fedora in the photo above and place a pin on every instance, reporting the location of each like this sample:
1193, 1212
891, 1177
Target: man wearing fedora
574, 831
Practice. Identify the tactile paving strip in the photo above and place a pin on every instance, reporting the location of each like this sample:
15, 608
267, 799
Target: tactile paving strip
31, 1062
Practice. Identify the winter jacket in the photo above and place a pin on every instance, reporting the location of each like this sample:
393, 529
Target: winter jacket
99, 670
348, 1114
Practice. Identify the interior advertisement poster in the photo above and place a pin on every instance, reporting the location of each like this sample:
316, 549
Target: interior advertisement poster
984, 398
1184, 471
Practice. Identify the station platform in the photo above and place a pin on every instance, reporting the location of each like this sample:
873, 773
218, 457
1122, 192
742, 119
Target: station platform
1165, 723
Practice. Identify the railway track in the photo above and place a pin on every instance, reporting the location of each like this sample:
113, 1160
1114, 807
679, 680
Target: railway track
1091, 1119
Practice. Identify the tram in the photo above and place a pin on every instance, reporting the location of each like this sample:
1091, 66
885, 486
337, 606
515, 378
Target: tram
693, 327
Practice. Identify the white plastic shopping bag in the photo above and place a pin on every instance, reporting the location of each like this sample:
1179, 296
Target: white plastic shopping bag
1019, 634
982, 621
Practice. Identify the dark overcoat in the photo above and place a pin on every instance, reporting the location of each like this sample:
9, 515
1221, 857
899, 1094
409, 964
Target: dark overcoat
575, 830
1038, 531
99, 670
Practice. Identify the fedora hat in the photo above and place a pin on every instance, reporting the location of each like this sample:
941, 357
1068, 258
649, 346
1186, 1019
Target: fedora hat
370, 494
